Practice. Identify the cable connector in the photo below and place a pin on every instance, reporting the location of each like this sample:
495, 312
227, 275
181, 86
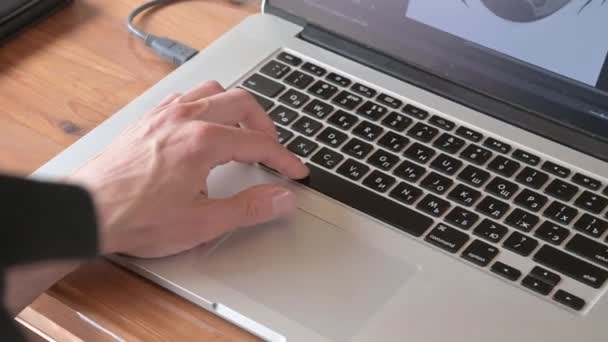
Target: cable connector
170, 50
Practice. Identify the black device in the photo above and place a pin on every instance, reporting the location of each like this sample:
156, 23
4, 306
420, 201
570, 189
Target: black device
15, 15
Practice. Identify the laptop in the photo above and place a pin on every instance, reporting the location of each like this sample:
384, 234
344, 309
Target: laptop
458, 190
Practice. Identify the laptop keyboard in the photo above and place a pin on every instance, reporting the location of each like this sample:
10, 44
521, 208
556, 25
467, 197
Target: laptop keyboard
468, 194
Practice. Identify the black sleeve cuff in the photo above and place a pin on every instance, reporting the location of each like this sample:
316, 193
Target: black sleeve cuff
43, 221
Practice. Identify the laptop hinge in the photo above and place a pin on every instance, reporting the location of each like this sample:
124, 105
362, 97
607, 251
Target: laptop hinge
510, 113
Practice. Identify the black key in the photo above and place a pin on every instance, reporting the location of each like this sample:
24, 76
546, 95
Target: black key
591, 202
357, 148
433, 205
526, 157
363, 90
372, 111
497, 145
318, 109
555, 169
436, 183
588, 249
419, 153
573, 267
561, 190
299, 79
586, 181
275, 69
284, 135
353, 169
552, 233
532, 178
368, 131
469, 134
294, 98
396, 121
338, 79
545, 276
313, 69
531, 200
307, 126
406, 193
423, 132
302, 146
446, 164
476, 154
502, 188
347, 100
343, 120
449, 143
393, 141
480, 253
520, 244
383, 160
265, 103
506, 271
447, 238
591, 225
263, 85
323, 90
389, 101
409, 171
327, 158
536, 285
289, 59
491, 231
503, 166
474, 176
379, 181
283, 115
462, 218
560, 213
368, 202
332, 137
415, 112
492, 207
464, 195
441, 123
569, 300
522, 220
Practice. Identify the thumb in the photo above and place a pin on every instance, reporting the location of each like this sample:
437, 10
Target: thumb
253, 206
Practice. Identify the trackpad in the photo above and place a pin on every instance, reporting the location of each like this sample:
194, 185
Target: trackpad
308, 270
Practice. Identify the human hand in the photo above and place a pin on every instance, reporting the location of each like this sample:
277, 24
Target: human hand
149, 186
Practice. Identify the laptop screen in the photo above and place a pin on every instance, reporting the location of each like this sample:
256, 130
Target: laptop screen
547, 56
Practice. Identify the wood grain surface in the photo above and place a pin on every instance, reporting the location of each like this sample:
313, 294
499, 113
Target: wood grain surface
60, 79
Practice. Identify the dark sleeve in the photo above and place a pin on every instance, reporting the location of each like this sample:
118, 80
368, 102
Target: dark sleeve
41, 221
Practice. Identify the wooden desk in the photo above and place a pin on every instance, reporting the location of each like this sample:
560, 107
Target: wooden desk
58, 81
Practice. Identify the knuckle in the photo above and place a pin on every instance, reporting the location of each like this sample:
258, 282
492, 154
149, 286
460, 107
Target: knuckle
179, 111
205, 132
214, 85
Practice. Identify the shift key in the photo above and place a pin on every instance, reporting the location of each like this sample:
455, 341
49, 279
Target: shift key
589, 249
571, 266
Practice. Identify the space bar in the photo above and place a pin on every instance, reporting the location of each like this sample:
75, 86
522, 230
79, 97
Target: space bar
367, 201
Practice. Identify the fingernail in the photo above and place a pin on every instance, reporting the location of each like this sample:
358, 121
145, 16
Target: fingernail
283, 202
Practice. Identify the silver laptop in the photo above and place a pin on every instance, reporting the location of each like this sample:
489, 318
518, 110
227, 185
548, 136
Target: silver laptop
458, 185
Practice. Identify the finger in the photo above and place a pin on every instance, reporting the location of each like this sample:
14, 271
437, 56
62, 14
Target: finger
218, 144
253, 206
204, 90
169, 99
234, 107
